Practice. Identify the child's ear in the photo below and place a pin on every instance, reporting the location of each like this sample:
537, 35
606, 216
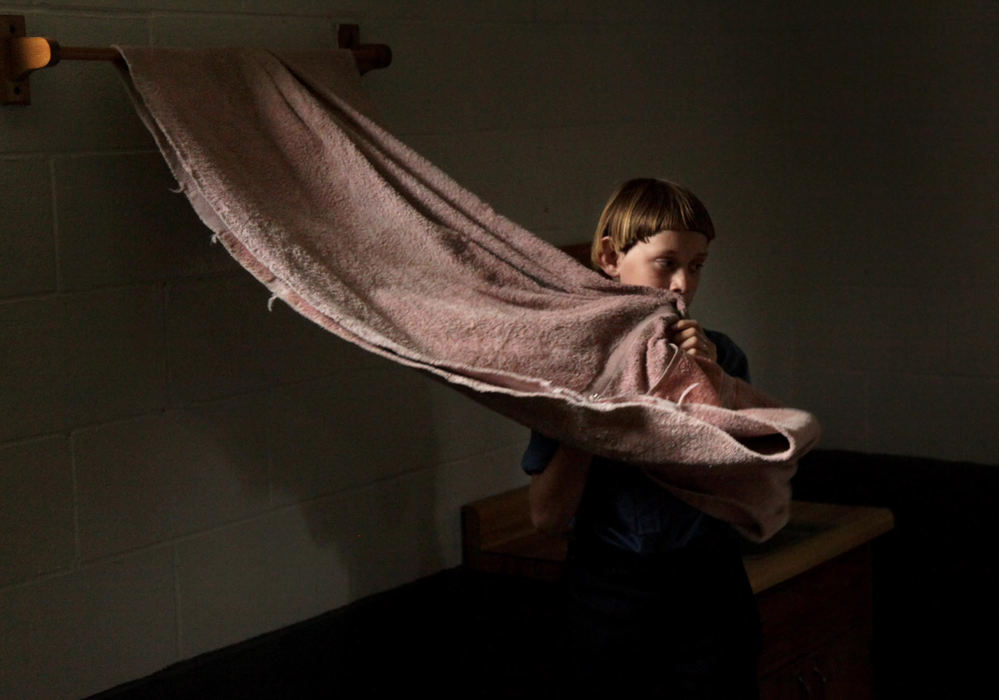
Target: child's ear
608, 257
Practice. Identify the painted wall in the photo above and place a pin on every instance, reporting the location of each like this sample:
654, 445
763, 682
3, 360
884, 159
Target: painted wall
181, 469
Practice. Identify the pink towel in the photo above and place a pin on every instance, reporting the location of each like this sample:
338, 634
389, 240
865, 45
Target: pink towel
366, 238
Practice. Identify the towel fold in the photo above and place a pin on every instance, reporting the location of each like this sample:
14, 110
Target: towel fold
282, 159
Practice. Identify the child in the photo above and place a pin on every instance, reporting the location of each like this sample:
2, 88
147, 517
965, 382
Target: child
657, 599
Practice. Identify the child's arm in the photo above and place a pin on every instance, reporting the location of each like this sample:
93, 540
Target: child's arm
555, 493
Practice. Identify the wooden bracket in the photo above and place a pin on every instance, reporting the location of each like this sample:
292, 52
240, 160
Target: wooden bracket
368, 56
18, 57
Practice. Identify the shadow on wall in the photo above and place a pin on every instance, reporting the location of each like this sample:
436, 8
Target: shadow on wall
357, 452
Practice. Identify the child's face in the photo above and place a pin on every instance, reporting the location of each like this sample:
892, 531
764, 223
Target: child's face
667, 260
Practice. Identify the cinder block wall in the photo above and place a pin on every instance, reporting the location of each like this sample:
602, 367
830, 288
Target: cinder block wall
181, 469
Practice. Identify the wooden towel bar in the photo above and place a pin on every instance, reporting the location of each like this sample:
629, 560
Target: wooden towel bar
20, 55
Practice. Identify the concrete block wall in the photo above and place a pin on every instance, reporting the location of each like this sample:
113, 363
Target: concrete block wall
181, 469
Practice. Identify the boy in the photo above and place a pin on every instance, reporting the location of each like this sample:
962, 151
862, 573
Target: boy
657, 597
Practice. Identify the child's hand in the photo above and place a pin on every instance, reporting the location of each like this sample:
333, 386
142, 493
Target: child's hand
688, 335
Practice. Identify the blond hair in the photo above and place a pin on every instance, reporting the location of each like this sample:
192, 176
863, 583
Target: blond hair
643, 207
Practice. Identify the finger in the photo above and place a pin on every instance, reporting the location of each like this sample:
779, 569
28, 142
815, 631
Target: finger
684, 335
683, 330
699, 347
684, 324
691, 343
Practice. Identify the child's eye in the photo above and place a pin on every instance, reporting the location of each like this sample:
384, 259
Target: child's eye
697, 267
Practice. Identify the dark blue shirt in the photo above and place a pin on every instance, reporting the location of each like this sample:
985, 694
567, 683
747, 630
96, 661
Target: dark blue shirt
622, 507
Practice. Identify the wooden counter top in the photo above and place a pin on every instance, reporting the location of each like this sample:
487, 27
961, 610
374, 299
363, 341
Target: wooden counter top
497, 536
817, 533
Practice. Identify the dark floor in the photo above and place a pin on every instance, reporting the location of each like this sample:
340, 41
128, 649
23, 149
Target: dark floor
457, 634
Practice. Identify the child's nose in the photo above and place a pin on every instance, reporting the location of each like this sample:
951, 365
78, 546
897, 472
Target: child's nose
678, 282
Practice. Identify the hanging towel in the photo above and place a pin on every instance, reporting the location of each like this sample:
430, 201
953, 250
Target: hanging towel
281, 157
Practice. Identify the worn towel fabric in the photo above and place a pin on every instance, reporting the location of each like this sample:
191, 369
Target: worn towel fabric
281, 158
